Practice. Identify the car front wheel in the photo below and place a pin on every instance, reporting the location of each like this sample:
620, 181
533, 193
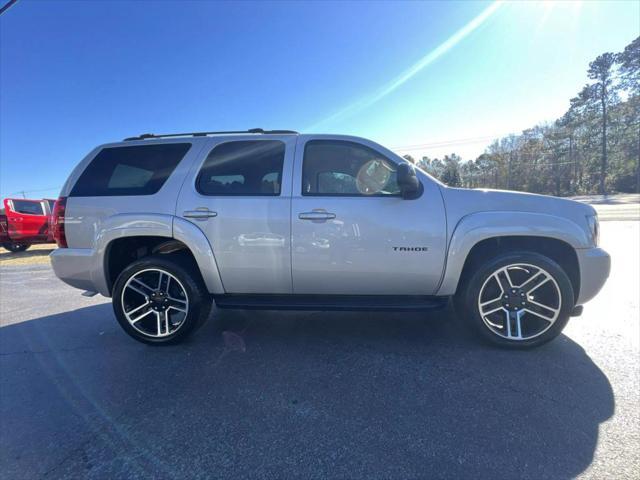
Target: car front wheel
160, 300
518, 300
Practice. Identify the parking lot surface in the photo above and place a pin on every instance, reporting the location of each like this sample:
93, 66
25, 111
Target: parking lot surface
316, 395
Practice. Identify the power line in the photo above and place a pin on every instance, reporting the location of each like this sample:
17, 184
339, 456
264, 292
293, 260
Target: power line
445, 143
23, 192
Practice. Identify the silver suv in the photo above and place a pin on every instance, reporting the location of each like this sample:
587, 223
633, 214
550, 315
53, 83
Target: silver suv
168, 224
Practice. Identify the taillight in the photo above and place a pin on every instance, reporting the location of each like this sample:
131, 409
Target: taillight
58, 222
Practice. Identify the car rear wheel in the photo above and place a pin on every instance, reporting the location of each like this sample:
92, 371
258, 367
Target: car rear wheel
160, 300
15, 247
517, 300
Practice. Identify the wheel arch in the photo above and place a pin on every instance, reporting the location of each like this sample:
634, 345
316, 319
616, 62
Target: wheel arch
480, 236
119, 246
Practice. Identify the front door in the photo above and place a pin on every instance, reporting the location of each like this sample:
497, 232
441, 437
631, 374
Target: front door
352, 232
240, 197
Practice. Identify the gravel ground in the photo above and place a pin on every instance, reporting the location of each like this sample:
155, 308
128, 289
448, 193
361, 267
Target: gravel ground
316, 395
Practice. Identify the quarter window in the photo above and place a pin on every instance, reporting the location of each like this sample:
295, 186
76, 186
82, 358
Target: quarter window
251, 167
340, 168
135, 170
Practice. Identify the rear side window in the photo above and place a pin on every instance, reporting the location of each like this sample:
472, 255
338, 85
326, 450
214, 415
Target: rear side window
135, 170
251, 167
26, 207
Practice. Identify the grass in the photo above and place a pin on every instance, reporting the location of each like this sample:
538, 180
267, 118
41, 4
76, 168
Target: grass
35, 255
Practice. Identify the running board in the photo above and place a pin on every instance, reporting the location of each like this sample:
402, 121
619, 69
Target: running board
331, 302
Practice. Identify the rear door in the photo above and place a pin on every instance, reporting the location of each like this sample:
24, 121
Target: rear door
353, 233
239, 195
27, 219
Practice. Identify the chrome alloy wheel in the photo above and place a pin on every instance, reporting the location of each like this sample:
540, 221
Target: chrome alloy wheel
519, 301
155, 303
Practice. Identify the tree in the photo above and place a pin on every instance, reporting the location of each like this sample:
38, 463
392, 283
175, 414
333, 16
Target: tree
629, 61
594, 147
629, 65
601, 70
451, 173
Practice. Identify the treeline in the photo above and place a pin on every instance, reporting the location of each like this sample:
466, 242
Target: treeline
593, 148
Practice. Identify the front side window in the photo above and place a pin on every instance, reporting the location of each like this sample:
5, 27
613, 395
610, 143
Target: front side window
28, 208
341, 168
252, 167
135, 170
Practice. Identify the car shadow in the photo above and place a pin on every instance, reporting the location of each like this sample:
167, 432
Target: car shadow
284, 394
31, 253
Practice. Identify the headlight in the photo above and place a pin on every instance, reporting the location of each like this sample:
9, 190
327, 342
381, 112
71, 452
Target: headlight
594, 228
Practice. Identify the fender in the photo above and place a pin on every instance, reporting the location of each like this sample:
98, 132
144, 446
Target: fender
197, 242
154, 225
476, 227
120, 226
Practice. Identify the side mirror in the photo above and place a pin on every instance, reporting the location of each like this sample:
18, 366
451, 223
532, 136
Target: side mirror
408, 182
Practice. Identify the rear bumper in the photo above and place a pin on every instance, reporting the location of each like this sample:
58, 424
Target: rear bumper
595, 265
77, 267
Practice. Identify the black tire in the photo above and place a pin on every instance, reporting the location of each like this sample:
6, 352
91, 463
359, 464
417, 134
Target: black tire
189, 279
15, 247
468, 308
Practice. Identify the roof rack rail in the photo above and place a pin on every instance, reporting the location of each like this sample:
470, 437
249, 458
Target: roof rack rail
145, 136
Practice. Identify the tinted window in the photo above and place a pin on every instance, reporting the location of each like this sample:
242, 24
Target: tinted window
30, 208
333, 167
243, 168
136, 170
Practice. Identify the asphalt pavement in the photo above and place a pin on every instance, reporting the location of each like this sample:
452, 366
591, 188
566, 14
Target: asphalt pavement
316, 395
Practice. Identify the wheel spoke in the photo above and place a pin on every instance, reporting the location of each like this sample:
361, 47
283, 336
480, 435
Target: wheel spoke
516, 317
142, 284
504, 280
137, 290
131, 312
158, 321
548, 313
507, 322
140, 317
491, 306
527, 283
497, 309
538, 285
178, 309
174, 299
166, 322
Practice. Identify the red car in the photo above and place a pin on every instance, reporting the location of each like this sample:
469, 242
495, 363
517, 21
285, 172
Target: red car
24, 222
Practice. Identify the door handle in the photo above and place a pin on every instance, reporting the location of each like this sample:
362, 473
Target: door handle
199, 214
316, 216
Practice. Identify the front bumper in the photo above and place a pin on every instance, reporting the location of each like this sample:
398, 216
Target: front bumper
595, 265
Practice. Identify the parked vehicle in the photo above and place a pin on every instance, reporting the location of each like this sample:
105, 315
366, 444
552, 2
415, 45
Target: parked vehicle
24, 222
163, 224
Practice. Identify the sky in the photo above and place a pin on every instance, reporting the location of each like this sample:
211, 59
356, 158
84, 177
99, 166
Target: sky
424, 78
